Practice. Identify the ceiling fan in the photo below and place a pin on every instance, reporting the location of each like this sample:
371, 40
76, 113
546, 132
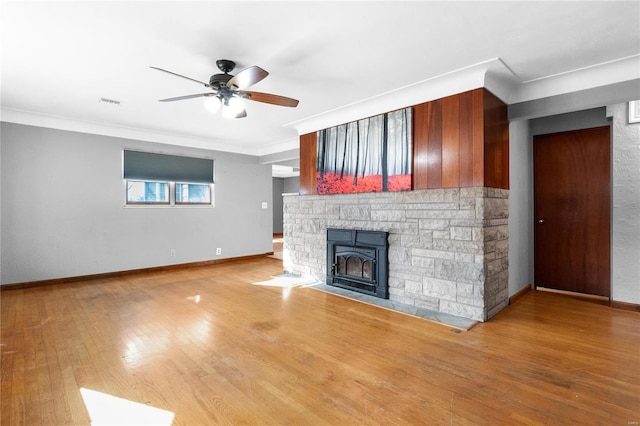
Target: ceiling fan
227, 91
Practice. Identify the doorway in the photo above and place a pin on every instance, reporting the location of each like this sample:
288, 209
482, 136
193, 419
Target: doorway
572, 210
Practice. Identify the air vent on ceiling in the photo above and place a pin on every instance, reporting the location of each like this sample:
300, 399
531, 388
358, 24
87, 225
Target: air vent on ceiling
110, 101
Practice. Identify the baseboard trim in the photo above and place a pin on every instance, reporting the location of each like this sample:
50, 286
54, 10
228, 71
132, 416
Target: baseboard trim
165, 268
520, 293
625, 305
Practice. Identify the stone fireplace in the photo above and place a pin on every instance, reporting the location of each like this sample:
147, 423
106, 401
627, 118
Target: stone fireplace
448, 237
357, 260
447, 248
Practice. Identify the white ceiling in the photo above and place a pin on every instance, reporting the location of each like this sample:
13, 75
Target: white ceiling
60, 58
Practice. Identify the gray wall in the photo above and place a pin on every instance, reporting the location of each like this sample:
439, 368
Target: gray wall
1, 208
520, 206
281, 186
585, 119
625, 234
278, 190
292, 185
62, 208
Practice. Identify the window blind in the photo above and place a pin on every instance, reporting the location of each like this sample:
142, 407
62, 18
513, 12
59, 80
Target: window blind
150, 166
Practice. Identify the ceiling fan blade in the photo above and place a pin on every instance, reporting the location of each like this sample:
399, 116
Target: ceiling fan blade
247, 77
269, 98
180, 75
181, 98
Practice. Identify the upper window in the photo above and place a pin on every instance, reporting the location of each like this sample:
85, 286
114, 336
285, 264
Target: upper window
160, 179
193, 193
143, 192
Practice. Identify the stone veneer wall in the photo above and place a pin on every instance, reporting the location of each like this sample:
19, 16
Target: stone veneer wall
448, 248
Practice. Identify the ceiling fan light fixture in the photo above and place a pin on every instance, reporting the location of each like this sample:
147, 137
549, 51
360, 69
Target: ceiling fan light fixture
212, 104
236, 105
231, 108
227, 112
227, 90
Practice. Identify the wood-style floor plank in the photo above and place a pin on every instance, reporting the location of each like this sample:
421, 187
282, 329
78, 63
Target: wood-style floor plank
211, 348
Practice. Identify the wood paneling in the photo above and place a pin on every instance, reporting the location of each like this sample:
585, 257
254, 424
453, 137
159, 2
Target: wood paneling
458, 141
210, 347
478, 137
461, 141
496, 142
465, 126
450, 142
420, 158
427, 146
434, 146
308, 163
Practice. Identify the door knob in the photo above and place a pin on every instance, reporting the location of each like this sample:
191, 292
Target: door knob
541, 221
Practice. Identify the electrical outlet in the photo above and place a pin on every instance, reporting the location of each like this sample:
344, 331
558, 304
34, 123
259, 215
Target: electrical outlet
218, 251
265, 205
173, 252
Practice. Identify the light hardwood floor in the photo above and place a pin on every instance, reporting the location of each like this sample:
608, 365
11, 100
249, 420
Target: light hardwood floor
211, 348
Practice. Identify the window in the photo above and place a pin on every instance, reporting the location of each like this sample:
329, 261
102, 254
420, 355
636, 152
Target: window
143, 192
193, 193
140, 192
160, 179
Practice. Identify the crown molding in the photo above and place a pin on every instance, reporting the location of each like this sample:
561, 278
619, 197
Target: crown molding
500, 79
278, 147
102, 129
599, 75
451, 83
493, 74
281, 157
580, 100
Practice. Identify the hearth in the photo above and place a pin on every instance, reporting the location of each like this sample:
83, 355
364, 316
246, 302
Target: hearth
357, 260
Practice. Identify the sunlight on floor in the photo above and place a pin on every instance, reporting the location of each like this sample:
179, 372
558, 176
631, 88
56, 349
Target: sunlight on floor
105, 409
195, 298
286, 283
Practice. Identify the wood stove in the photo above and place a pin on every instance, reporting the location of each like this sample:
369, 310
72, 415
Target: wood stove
357, 260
